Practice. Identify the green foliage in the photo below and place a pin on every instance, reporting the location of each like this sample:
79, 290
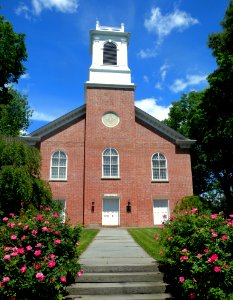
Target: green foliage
187, 203
198, 255
38, 255
14, 116
20, 184
12, 54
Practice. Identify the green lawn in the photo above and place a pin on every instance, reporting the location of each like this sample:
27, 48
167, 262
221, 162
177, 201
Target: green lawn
145, 238
86, 238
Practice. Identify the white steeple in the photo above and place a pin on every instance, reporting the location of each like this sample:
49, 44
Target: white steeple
109, 51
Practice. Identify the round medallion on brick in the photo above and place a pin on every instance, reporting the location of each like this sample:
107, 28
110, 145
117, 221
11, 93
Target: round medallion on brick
110, 119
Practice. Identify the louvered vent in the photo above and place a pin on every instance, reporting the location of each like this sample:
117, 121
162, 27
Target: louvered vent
110, 54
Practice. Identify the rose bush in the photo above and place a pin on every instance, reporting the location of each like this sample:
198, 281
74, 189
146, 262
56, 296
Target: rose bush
198, 255
38, 255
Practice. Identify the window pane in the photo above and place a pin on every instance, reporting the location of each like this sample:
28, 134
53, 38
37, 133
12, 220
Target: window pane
114, 170
54, 173
62, 172
107, 151
106, 160
114, 160
62, 162
55, 162
62, 155
114, 152
163, 174
56, 155
107, 170
162, 164
155, 174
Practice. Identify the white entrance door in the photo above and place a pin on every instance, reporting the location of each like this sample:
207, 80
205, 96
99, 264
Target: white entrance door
110, 213
160, 211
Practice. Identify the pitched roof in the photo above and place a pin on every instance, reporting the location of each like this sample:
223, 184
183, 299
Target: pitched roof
79, 113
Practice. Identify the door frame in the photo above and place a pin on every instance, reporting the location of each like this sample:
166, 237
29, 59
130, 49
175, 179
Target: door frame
111, 197
168, 209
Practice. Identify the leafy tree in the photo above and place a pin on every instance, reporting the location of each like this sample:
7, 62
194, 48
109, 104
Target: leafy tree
14, 116
207, 116
12, 54
14, 110
20, 182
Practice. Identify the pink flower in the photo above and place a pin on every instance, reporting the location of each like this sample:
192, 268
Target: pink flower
192, 296
5, 219
46, 222
57, 233
29, 248
212, 230
6, 279
217, 269
51, 263
7, 257
54, 215
224, 237
231, 216
40, 276
52, 256
20, 251
79, 274
7, 249
172, 217
63, 279
206, 250
57, 241
23, 269
11, 215
199, 255
40, 217
184, 257
14, 237
34, 232
26, 227
47, 208
37, 253
194, 210
37, 267
77, 244
213, 216
161, 252
213, 258
44, 229
184, 250
181, 279
214, 235
38, 245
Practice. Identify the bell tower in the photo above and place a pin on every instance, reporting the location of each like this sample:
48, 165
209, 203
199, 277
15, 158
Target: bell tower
109, 52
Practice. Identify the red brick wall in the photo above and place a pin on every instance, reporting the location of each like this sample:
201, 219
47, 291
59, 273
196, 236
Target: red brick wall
71, 141
135, 144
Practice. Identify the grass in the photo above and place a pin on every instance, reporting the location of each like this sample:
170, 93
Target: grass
86, 238
145, 238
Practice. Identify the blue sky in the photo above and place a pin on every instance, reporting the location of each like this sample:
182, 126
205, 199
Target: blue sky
168, 53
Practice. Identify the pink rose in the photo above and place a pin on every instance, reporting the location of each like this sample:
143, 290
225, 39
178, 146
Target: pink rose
57, 241
184, 250
51, 263
38, 245
217, 269
5, 219
52, 256
77, 244
26, 227
213, 258
181, 279
7, 257
40, 276
20, 251
194, 210
37, 253
34, 232
6, 279
29, 248
44, 229
40, 217
224, 237
23, 269
63, 279
14, 237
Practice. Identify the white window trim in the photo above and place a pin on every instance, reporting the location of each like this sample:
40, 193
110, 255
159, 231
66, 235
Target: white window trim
159, 179
51, 158
118, 167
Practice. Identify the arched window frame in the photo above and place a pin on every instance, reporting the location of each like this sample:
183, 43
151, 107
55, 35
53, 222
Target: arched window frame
110, 169
111, 61
58, 171
159, 167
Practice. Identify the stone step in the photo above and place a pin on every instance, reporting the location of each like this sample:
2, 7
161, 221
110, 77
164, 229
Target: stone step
120, 268
162, 296
121, 277
117, 288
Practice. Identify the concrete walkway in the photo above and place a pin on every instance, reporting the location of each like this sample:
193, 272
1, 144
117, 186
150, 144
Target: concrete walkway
114, 247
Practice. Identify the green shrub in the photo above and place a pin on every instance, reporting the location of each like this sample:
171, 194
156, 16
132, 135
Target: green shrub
38, 255
198, 255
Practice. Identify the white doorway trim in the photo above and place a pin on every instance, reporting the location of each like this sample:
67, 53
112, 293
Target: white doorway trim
161, 211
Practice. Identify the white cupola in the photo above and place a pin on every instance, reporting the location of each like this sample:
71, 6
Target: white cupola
109, 51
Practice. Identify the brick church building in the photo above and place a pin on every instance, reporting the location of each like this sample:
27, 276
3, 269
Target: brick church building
109, 162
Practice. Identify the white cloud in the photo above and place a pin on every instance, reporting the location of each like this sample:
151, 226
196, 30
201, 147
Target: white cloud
163, 71
40, 116
37, 6
150, 106
163, 25
181, 84
25, 76
146, 78
147, 53
158, 86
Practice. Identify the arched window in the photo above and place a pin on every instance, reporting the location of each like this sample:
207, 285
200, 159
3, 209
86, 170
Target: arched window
159, 167
110, 163
110, 54
58, 166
